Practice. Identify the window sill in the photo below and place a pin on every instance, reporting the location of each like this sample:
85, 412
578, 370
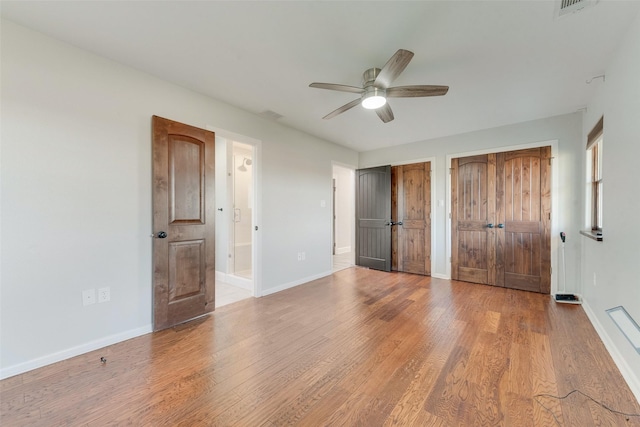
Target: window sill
597, 236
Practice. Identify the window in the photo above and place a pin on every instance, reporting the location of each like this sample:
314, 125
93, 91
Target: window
594, 176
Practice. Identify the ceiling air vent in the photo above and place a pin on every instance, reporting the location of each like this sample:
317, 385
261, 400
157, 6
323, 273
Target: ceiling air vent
568, 7
270, 115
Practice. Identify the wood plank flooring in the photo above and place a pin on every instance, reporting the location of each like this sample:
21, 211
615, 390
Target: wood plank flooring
358, 348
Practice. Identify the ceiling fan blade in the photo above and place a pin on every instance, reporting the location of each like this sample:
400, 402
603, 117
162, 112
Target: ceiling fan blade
342, 109
393, 68
341, 88
415, 91
385, 113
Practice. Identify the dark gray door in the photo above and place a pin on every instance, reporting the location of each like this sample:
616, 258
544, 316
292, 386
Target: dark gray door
373, 218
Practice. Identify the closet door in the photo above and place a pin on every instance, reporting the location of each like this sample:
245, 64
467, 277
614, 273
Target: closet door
523, 212
500, 213
472, 214
373, 218
411, 218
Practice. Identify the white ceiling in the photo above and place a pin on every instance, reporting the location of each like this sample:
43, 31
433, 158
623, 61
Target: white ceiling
505, 61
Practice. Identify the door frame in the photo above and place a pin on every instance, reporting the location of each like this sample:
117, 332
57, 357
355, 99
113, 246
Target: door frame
555, 229
256, 250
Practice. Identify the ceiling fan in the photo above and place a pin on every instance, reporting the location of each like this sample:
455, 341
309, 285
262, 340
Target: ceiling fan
375, 88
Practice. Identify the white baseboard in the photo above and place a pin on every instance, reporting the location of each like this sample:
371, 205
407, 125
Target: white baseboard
344, 250
221, 277
73, 351
440, 276
295, 283
238, 281
627, 373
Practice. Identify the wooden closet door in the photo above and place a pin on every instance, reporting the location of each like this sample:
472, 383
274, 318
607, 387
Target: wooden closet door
411, 206
523, 214
472, 214
500, 219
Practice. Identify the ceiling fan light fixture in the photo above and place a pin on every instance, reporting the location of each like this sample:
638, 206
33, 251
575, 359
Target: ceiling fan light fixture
373, 98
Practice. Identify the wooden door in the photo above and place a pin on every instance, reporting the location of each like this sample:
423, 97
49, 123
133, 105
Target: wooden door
373, 218
183, 222
472, 213
523, 214
411, 218
500, 217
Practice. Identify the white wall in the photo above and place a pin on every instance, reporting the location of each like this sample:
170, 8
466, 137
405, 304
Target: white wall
615, 261
566, 130
76, 196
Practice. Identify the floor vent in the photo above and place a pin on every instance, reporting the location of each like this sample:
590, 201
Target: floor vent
568, 7
626, 324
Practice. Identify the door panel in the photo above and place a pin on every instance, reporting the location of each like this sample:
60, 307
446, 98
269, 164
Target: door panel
186, 174
373, 214
411, 203
183, 208
472, 207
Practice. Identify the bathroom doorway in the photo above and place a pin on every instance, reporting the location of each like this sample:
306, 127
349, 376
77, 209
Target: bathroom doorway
241, 227
343, 203
237, 217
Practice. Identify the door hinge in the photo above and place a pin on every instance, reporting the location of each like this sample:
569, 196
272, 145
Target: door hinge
450, 259
450, 171
450, 217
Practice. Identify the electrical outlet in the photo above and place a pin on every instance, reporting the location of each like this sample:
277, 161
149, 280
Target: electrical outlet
299, 256
104, 294
88, 297
303, 256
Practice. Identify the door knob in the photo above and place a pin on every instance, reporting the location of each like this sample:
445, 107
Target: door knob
500, 225
489, 225
161, 235
399, 223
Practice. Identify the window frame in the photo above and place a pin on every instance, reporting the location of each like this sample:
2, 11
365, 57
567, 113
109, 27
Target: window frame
596, 186
595, 141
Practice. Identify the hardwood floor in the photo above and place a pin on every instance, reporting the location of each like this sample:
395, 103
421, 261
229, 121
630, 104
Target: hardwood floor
358, 348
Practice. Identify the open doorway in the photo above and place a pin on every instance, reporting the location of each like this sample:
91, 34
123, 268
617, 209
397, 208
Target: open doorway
241, 201
237, 204
343, 248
